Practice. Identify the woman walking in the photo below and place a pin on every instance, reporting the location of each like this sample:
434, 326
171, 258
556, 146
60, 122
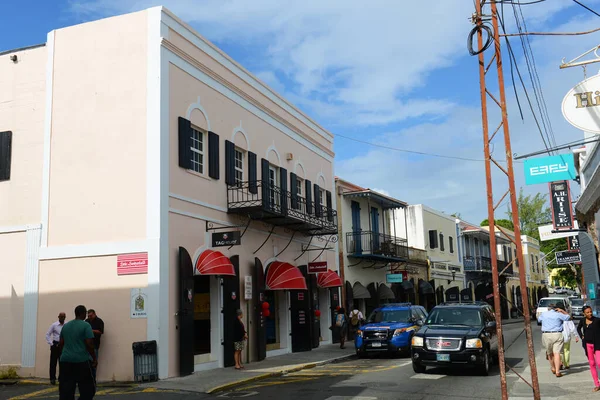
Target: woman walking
589, 331
239, 336
569, 333
341, 324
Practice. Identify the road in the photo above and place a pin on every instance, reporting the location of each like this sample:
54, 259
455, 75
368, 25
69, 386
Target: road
380, 378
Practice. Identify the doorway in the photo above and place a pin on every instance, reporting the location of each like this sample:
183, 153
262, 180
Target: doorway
202, 323
273, 322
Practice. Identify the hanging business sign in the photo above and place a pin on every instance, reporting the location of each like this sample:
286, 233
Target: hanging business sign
393, 278
317, 266
568, 257
560, 201
231, 238
550, 169
573, 242
138, 303
546, 232
581, 105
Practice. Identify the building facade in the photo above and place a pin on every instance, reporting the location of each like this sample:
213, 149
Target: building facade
154, 179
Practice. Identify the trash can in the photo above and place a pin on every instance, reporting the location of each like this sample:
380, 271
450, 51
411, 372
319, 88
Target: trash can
145, 361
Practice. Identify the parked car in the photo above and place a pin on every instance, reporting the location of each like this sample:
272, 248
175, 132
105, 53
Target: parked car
389, 328
560, 290
556, 300
457, 335
577, 308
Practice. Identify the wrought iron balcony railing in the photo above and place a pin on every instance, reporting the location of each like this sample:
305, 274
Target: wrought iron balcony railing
484, 264
375, 245
279, 207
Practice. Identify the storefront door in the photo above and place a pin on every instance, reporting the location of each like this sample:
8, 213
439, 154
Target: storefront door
258, 296
301, 320
272, 322
231, 303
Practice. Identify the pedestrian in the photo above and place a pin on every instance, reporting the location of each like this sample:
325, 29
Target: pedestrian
569, 332
53, 339
552, 336
77, 349
356, 319
239, 336
341, 324
98, 329
589, 331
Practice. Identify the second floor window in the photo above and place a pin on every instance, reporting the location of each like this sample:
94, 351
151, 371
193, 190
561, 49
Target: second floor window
441, 242
198, 151
239, 167
322, 197
451, 244
299, 186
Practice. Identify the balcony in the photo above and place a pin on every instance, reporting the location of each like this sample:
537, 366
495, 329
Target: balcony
484, 264
271, 204
376, 246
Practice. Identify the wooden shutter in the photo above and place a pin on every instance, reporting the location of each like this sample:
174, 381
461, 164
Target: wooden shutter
265, 187
185, 143
294, 190
318, 208
329, 201
213, 155
5, 155
283, 181
229, 163
308, 196
252, 173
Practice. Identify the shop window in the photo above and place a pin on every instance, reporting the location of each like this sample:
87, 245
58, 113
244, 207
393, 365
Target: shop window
272, 328
202, 326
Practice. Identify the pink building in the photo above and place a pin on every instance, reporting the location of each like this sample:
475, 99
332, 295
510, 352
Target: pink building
133, 153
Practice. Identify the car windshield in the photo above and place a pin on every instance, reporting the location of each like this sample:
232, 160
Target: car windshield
454, 316
547, 302
577, 302
389, 316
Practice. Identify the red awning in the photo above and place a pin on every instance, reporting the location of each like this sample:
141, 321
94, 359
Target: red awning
282, 276
212, 262
328, 279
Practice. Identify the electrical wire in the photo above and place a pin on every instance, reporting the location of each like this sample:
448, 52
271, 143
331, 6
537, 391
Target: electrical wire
587, 8
488, 42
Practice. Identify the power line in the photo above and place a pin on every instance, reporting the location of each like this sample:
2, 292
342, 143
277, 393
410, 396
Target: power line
586, 7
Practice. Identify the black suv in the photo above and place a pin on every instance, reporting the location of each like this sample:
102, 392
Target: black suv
456, 334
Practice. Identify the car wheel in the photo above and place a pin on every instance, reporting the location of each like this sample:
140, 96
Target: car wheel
485, 368
419, 369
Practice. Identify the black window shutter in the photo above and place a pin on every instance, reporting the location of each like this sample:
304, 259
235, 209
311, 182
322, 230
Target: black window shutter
442, 242
451, 244
294, 190
318, 208
252, 173
185, 143
264, 178
213, 155
229, 163
329, 201
5, 155
283, 181
433, 239
308, 191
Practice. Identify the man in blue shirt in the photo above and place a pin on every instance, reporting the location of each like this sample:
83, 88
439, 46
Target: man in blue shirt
552, 337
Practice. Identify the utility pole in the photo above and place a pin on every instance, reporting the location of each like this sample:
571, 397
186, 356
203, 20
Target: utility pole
480, 19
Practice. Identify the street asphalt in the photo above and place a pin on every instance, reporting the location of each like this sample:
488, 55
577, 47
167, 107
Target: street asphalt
356, 379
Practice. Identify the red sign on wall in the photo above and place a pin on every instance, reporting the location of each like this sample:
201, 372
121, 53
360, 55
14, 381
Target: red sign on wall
316, 267
130, 264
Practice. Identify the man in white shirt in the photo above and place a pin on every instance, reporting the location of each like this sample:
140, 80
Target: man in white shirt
53, 339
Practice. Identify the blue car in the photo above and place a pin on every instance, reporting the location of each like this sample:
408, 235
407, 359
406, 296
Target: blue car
389, 328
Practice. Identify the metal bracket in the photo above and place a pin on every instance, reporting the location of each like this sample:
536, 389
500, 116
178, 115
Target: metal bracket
304, 250
210, 226
266, 240
574, 63
245, 229
370, 266
288, 245
324, 248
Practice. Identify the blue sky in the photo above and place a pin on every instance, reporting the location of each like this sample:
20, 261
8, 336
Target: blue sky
396, 73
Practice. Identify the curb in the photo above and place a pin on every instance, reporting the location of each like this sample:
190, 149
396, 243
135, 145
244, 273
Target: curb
47, 383
267, 375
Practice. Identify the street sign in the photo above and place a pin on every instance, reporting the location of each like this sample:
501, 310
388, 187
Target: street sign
248, 288
231, 238
560, 201
550, 169
316, 267
581, 105
568, 257
547, 234
393, 278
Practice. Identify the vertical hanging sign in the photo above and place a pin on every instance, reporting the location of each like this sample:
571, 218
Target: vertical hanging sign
560, 200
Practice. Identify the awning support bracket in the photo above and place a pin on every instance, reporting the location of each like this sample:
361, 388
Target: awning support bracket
370, 266
304, 249
323, 249
244, 231
354, 265
266, 240
288, 245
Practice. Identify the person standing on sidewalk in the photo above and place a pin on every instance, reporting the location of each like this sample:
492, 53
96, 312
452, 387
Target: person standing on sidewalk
239, 336
569, 332
589, 330
552, 336
98, 328
53, 339
77, 349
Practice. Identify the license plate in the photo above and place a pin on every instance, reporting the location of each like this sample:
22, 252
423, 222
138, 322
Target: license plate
376, 344
443, 357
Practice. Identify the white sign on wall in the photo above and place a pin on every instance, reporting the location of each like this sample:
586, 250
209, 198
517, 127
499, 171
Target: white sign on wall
581, 105
248, 288
139, 302
546, 232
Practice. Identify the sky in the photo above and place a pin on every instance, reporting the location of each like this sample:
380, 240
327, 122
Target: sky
395, 73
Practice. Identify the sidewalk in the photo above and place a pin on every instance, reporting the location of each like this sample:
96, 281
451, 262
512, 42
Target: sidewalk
576, 382
216, 380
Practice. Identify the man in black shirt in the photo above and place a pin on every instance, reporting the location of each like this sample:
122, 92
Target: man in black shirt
98, 329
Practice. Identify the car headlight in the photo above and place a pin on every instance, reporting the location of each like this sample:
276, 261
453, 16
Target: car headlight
417, 341
359, 333
402, 330
474, 344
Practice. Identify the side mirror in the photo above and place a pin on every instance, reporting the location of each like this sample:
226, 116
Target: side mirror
491, 324
420, 322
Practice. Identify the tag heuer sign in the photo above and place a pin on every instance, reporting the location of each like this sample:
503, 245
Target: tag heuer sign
560, 200
568, 257
231, 238
581, 105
